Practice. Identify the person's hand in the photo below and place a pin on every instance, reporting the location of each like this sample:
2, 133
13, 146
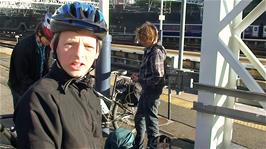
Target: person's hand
135, 77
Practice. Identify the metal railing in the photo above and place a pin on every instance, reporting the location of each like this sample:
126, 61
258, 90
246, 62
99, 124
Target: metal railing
229, 112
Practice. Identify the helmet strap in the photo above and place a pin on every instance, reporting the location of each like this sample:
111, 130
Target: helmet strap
55, 41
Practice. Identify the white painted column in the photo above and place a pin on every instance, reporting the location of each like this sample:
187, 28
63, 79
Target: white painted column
220, 65
161, 19
104, 7
213, 131
213, 71
230, 102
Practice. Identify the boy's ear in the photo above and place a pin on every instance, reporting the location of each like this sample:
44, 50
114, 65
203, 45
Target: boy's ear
52, 48
52, 45
98, 49
97, 55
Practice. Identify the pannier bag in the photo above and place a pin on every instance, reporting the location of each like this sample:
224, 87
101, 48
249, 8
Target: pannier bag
121, 138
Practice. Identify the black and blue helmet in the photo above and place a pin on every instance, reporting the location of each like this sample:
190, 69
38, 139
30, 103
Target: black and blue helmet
79, 16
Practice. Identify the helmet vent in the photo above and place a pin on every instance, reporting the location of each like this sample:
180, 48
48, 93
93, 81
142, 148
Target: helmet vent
97, 17
86, 15
73, 11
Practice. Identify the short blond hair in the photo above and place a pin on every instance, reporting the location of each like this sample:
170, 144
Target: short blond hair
147, 32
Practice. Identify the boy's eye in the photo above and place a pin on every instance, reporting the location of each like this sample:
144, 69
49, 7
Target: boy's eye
88, 47
68, 45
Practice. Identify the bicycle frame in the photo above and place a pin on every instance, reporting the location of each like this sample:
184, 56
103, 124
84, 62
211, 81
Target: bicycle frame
107, 112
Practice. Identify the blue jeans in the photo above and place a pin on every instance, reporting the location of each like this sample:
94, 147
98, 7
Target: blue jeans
147, 115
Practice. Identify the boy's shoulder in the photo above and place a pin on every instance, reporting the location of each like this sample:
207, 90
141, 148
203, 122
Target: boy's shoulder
159, 48
46, 85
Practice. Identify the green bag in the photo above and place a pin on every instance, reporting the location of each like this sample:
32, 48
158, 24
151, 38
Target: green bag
121, 138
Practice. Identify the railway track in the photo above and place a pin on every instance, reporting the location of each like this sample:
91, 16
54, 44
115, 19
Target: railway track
191, 58
193, 43
189, 55
129, 57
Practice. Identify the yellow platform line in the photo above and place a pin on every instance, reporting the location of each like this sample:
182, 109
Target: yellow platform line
177, 101
188, 104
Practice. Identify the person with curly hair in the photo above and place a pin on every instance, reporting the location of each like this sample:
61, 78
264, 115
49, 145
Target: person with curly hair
151, 78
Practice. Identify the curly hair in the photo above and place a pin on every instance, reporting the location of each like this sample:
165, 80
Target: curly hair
147, 32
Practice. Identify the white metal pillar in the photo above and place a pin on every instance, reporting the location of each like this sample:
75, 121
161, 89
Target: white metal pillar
182, 33
213, 71
104, 7
220, 65
161, 18
230, 101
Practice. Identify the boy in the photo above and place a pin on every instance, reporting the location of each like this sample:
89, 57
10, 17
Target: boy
29, 59
151, 78
61, 110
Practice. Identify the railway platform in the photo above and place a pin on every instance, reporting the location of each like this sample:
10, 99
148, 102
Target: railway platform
182, 125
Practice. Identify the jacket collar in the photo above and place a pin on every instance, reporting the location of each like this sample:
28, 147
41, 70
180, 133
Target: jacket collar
149, 49
64, 80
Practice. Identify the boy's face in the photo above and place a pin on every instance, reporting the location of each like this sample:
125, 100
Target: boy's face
44, 41
146, 43
76, 52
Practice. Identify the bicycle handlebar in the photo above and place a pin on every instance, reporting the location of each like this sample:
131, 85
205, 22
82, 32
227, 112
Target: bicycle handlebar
120, 72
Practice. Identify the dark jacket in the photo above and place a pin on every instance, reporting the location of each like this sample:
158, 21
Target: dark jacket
25, 64
59, 112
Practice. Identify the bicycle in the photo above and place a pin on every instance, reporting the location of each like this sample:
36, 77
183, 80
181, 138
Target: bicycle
119, 109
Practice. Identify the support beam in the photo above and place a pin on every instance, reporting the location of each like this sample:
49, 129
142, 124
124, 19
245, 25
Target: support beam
231, 92
220, 66
214, 71
230, 113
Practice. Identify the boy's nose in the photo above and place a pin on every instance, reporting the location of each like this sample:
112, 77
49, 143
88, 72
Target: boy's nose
80, 50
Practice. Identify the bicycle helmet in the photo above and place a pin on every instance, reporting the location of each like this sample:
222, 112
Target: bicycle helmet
78, 15
46, 28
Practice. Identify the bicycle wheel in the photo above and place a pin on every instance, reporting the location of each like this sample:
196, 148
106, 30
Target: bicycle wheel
123, 116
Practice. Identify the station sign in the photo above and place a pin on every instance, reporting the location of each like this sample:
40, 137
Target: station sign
162, 17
